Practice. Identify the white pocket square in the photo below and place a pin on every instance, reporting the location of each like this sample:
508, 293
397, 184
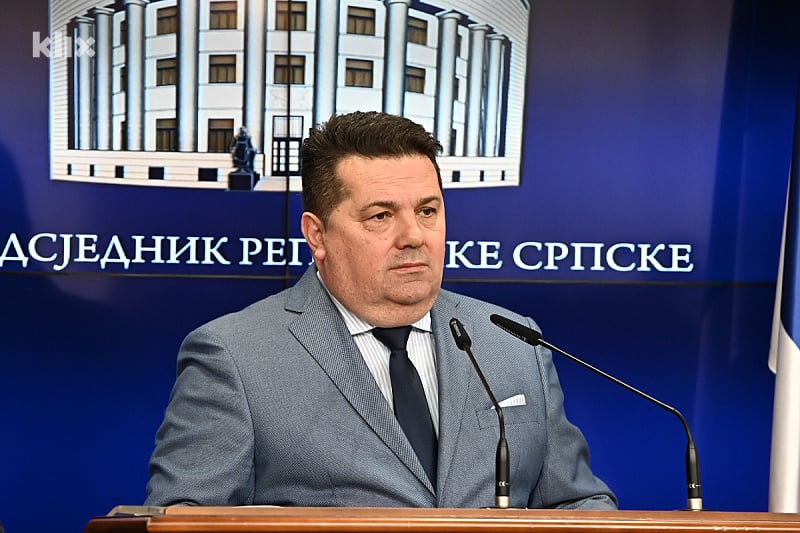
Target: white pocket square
518, 399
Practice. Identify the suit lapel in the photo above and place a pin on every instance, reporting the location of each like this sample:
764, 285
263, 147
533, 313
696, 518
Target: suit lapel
453, 369
320, 329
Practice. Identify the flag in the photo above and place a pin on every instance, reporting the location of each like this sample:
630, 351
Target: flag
784, 353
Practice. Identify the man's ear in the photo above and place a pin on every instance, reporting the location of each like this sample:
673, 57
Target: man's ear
314, 232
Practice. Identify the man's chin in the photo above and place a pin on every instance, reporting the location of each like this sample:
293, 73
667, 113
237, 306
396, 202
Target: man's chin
412, 296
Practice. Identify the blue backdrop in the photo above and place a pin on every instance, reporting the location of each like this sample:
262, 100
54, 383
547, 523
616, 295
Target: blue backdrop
646, 122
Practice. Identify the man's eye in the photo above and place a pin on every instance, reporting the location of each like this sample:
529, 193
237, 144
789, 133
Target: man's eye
379, 216
428, 211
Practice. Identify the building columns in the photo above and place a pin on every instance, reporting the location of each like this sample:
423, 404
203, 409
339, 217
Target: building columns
326, 61
445, 78
134, 61
477, 48
83, 65
494, 80
102, 76
186, 91
254, 92
394, 57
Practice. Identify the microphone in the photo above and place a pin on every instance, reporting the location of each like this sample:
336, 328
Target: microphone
502, 476
534, 338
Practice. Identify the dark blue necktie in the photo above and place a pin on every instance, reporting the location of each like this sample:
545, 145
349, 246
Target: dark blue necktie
410, 405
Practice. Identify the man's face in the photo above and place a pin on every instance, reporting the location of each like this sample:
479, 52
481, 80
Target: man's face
381, 252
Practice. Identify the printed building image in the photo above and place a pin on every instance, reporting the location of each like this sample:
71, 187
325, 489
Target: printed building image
154, 92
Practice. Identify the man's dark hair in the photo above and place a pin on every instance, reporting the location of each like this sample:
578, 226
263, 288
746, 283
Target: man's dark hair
370, 134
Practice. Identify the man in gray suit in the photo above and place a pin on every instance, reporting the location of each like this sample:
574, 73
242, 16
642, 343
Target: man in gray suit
298, 399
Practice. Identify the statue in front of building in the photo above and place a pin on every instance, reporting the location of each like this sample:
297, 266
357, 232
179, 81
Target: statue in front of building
243, 153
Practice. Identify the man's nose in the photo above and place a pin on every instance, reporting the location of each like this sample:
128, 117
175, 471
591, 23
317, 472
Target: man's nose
410, 233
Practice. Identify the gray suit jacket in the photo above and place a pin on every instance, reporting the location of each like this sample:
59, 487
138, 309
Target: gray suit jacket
274, 404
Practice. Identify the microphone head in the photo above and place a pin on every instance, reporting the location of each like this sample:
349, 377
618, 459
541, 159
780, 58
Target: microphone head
516, 329
460, 334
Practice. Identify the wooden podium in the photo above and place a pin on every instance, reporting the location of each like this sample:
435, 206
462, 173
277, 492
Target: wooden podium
390, 520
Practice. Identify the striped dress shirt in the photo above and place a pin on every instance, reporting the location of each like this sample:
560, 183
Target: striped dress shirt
376, 355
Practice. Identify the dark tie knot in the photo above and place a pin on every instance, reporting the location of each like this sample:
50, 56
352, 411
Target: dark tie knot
393, 338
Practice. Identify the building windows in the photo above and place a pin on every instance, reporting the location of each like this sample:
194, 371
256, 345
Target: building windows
290, 15
415, 79
290, 70
123, 137
220, 134
287, 135
358, 73
167, 71
360, 20
166, 135
417, 30
222, 68
123, 32
222, 16
123, 78
167, 20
